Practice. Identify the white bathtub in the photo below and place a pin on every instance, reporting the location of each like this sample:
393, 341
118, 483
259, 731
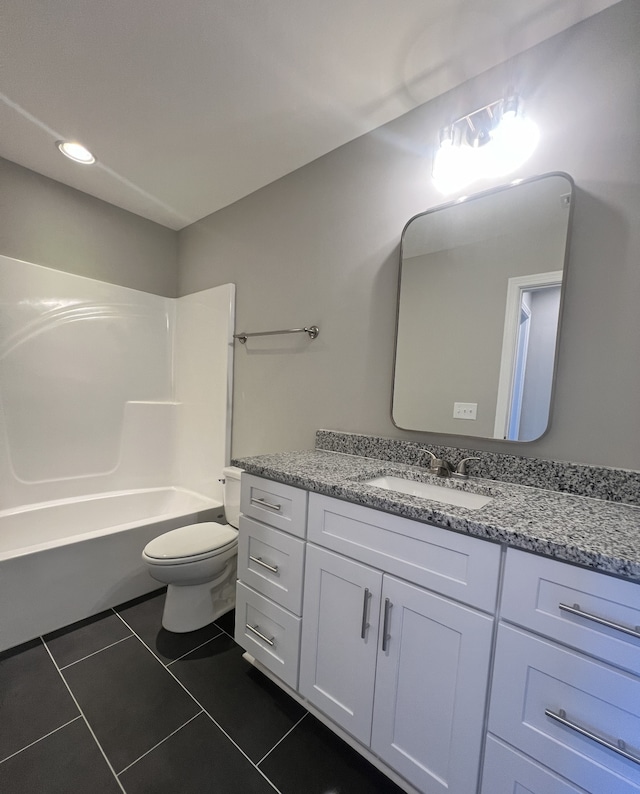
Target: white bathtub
66, 560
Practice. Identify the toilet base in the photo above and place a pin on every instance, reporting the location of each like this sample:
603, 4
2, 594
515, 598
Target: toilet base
191, 607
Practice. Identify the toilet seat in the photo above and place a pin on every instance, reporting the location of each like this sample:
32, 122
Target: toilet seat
191, 543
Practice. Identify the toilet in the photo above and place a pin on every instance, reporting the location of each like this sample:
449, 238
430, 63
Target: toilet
198, 563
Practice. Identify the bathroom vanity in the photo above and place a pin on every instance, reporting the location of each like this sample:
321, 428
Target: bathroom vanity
455, 661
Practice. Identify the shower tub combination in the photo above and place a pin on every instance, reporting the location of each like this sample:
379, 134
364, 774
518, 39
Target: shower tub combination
109, 391
66, 560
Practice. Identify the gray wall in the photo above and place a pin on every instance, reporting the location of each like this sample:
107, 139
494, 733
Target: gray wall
321, 246
50, 224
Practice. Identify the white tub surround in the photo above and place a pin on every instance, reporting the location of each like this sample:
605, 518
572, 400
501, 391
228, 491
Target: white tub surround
105, 388
115, 425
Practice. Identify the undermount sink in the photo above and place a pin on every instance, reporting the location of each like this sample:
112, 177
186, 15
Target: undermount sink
427, 490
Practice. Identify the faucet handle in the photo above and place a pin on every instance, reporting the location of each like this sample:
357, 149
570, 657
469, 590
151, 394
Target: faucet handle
462, 470
439, 466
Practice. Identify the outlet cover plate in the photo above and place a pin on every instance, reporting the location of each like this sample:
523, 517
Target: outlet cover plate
465, 410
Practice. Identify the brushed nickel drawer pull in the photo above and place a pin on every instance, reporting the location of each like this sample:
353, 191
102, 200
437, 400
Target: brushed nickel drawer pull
575, 610
385, 624
260, 561
263, 503
620, 748
365, 603
255, 630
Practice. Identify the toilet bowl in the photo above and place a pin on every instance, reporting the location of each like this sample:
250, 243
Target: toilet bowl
198, 565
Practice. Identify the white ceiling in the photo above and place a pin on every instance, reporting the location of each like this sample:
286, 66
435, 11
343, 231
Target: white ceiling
189, 105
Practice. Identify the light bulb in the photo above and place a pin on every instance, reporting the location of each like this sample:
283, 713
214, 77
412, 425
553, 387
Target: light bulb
471, 148
513, 141
453, 167
76, 152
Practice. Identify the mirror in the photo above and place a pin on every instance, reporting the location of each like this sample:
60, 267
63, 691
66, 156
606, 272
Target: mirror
479, 304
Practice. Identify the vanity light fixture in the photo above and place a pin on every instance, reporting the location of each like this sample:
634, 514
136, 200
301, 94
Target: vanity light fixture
493, 140
76, 151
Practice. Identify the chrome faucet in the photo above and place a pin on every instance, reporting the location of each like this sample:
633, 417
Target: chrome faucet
439, 466
442, 468
462, 470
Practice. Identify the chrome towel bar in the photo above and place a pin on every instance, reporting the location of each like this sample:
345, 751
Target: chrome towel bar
312, 330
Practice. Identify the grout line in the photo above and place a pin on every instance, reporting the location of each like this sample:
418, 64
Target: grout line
197, 702
293, 727
26, 747
122, 771
82, 714
220, 728
227, 633
89, 655
177, 659
167, 664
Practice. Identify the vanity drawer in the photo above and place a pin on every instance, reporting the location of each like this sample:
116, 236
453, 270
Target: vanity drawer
455, 565
506, 771
534, 679
538, 594
281, 506
269, 633
272, 562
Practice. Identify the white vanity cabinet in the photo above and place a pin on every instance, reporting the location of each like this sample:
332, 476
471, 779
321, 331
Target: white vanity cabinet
402, 668
271, 551
565, 703
385, 627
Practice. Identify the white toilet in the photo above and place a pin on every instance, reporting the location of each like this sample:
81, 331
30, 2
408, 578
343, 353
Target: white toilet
198, 563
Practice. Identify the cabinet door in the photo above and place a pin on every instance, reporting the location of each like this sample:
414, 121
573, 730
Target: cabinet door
431, 683
339, 639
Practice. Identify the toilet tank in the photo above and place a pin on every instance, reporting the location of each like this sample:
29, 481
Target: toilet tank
231, 476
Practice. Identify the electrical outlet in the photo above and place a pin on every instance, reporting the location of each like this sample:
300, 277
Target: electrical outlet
465, 410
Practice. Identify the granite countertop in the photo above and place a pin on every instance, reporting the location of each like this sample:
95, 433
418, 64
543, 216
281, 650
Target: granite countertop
599, 534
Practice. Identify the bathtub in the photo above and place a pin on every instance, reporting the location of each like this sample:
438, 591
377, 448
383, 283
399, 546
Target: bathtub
66, 560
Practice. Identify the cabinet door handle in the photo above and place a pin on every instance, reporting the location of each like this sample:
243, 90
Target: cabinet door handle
263, 503
260, 561
620, 748
365, 603
575, 610
385, 624
256, 630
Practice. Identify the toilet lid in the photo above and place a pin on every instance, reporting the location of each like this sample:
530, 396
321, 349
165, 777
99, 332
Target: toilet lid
191, 541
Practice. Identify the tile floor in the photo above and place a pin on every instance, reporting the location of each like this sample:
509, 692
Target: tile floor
117, 704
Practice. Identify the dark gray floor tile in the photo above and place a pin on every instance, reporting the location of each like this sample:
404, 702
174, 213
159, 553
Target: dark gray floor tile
129, 699
314, 760
250, 708
65, 761
33, 697
85, 637
198, 758
145, 618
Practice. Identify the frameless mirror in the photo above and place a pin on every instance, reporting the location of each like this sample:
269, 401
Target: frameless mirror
479, 305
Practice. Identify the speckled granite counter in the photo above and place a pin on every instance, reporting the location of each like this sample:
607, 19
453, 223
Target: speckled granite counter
595, 533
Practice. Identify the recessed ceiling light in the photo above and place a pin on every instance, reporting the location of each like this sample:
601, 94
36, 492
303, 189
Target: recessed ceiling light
76, 152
